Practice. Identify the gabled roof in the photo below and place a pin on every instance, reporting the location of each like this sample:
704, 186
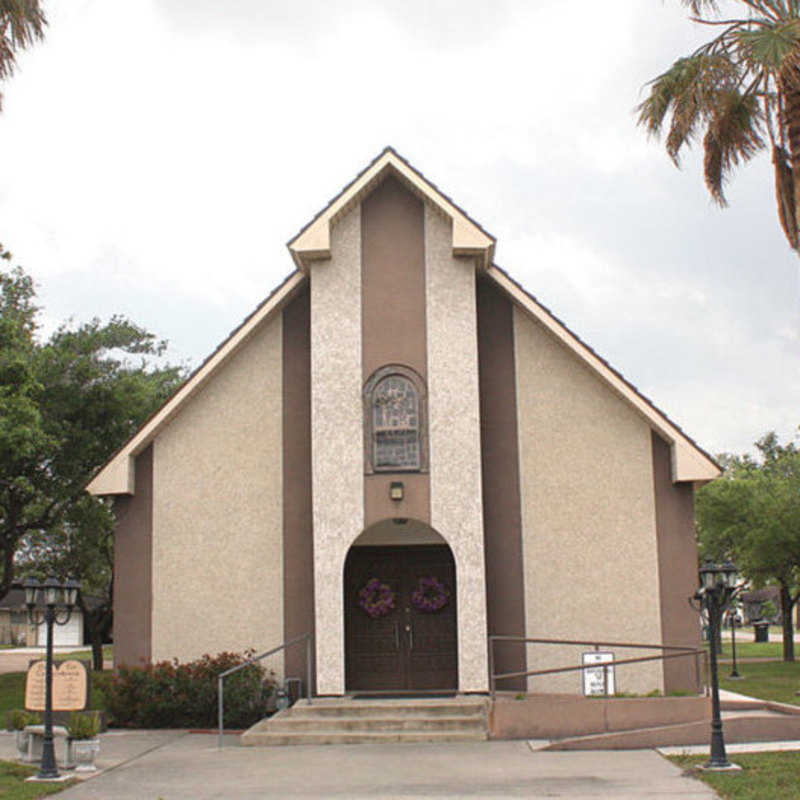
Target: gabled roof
689, 462
117, 475
313, 242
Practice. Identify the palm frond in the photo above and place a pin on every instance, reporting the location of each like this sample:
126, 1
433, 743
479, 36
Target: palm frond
739, 87
688, 90
699, 6
769, 46
733, 137
22, 22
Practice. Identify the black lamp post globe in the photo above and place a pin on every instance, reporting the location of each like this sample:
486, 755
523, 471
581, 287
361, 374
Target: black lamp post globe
718, 587
49, 603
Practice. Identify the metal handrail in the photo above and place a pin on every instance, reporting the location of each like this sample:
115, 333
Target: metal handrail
683, 652
307, 637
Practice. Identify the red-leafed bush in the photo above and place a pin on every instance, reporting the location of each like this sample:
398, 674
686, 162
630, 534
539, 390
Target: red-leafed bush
174, 695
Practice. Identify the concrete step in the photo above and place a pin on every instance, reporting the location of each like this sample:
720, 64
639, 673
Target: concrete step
374, 708
348, 721
385, 723
266, 738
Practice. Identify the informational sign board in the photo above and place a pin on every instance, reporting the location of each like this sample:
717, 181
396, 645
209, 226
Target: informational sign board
70, 686
598, 674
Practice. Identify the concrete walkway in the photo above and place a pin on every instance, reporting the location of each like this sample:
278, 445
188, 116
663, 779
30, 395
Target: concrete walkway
173, 765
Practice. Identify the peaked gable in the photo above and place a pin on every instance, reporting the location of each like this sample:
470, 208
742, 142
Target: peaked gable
313, 242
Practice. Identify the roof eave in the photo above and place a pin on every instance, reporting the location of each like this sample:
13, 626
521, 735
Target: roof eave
690, 464
312, 242
117, 475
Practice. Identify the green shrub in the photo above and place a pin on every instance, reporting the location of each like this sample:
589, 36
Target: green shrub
101, 681
17, 719
83, 726
174, 695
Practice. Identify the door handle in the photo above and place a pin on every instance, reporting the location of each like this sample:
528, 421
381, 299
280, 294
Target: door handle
410, 637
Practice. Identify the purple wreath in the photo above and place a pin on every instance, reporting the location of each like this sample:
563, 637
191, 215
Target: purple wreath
376, 598
430, 595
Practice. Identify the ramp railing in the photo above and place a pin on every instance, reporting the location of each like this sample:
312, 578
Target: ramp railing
668, 652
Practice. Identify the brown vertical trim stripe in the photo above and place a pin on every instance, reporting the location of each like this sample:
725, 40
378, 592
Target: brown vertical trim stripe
133, 568
502, 516
677, 566
298, 539
393, 322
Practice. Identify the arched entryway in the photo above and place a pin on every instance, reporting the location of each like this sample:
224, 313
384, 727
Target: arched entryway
400, 610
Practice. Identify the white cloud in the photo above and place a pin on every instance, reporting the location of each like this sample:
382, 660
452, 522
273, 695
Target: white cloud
157, 155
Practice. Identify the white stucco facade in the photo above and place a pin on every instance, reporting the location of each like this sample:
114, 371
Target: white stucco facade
337, 437
588, 514
209, 524
455, 441
208, 545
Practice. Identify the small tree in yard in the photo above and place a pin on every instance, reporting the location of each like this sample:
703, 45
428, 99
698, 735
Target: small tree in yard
752, 514
81, 545
66, 405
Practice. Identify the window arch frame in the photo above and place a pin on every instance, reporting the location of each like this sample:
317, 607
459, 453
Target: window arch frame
370, 387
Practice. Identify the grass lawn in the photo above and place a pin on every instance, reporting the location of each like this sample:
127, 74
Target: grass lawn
750, 649
12, 693
13, 786
764, 776
769, 680
83, 655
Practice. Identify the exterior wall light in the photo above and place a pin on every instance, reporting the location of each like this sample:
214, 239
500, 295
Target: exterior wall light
396, 490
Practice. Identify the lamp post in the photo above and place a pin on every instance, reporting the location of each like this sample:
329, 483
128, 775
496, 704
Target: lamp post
717, 589
734, 671
49, 603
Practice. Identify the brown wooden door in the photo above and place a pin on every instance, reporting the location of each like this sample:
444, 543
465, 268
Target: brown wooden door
408, 649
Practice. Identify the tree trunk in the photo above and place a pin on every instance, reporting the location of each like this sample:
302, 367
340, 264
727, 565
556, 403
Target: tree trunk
784, 193
97, 649
786, 619
790, 89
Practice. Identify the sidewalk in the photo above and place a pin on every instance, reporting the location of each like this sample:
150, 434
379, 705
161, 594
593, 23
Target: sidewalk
175, 765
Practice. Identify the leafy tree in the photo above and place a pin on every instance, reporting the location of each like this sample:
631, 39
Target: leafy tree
80, 545
752, 515
24, 441
741, 93
22, 22
65, 406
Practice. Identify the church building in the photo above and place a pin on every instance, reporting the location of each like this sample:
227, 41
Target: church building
401, 452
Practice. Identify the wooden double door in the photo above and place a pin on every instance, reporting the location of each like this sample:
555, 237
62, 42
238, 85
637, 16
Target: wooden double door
410, 648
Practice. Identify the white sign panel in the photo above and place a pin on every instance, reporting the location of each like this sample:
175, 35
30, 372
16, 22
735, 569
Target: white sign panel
598, 675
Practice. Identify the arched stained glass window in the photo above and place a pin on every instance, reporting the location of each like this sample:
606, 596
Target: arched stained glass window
394, 406
395, 424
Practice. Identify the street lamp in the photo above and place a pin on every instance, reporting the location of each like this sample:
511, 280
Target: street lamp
717, 588
734, 670
49, 603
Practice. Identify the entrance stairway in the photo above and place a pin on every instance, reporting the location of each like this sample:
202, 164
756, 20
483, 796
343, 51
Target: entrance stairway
358, 721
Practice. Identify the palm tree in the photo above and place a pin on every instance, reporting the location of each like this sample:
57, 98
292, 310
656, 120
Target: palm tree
741, 92
21, 23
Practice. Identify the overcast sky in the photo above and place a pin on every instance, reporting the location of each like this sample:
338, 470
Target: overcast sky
156, 156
